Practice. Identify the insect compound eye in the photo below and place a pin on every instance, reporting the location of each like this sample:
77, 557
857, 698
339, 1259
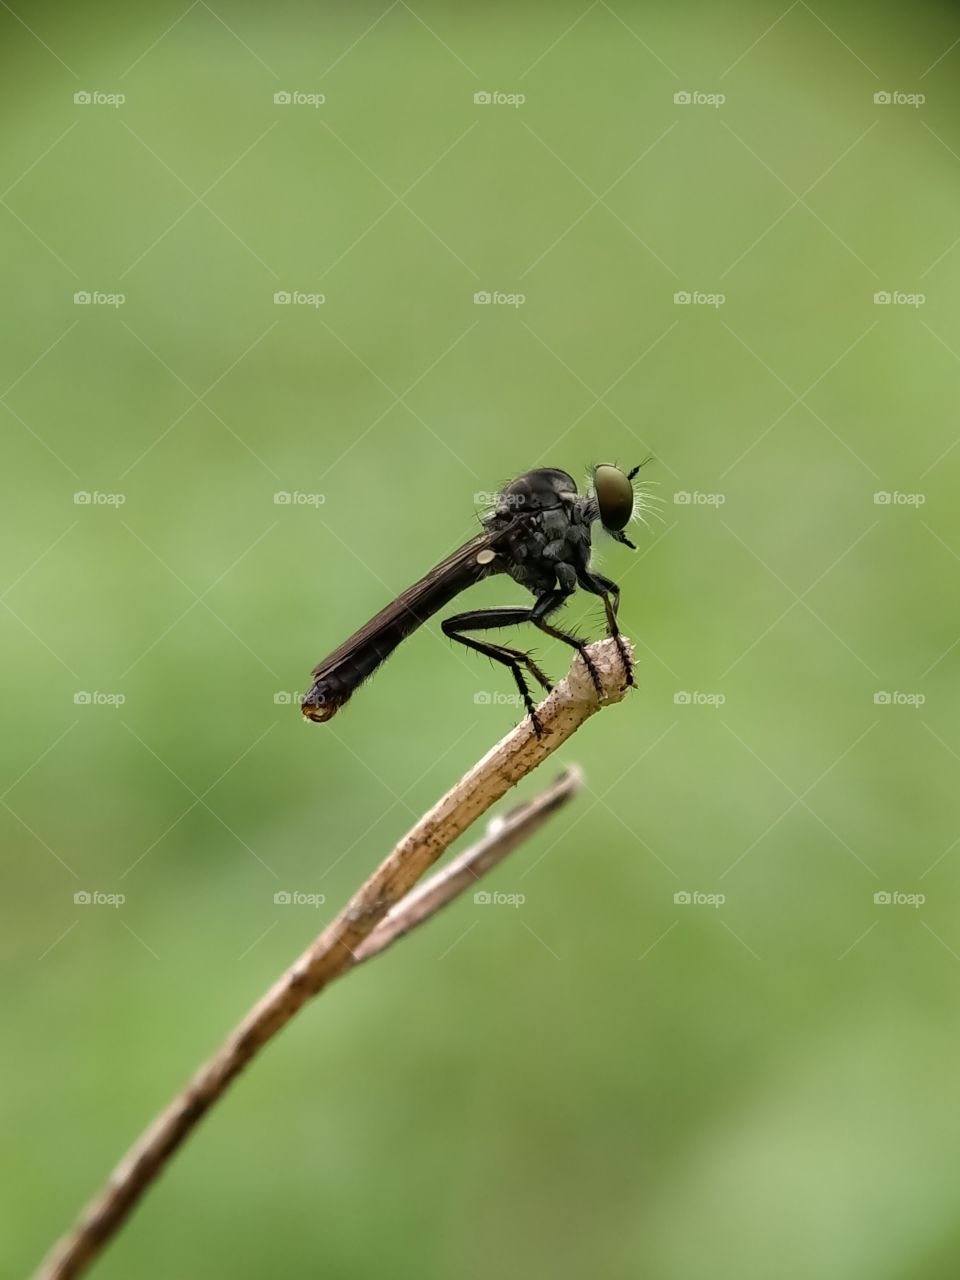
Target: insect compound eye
614, 496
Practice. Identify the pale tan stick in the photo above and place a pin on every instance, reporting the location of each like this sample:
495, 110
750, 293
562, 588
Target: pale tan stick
461, 873
572, 702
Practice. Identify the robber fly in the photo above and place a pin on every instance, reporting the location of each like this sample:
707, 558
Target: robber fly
539, 533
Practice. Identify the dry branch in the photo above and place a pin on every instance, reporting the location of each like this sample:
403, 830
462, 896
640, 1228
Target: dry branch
347, 941
502, 837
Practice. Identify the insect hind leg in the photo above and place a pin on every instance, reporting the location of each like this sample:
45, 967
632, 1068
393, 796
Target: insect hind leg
515, 659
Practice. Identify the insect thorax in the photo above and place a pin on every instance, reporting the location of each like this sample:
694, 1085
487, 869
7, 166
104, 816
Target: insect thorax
546, 549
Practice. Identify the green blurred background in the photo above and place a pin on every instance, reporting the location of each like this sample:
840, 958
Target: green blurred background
605, 1080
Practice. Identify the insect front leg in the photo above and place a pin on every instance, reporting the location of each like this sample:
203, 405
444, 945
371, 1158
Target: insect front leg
608, 591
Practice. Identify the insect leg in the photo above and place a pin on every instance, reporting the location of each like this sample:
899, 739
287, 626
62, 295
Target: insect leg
549, 603
608, 591
487, 619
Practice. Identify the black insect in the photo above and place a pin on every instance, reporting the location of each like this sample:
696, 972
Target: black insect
539, 533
